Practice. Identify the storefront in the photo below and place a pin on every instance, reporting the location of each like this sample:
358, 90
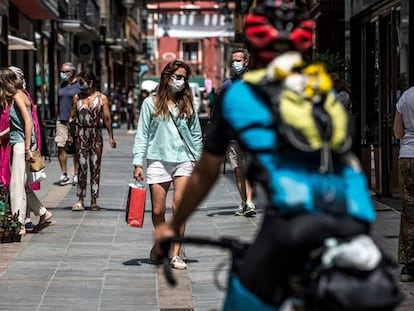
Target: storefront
379, 63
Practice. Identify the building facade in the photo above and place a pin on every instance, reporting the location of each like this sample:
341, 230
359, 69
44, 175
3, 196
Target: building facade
199, 32
379, 43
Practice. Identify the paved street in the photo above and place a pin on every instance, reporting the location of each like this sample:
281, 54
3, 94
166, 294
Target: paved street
94, 261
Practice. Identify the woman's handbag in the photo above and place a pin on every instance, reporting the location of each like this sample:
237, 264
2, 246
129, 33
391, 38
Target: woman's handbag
135, 206
38, 163
33, 177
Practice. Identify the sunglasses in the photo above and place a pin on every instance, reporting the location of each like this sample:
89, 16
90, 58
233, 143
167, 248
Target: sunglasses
178, 77
65, 71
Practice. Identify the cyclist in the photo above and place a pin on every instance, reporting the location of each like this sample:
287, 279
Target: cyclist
307, 201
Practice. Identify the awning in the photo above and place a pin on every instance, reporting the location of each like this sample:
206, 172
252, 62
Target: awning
16, 43
38, 9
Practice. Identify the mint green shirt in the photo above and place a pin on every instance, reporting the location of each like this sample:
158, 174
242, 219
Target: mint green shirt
158, 138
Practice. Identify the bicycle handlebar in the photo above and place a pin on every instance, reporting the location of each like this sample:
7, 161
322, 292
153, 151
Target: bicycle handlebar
229, 243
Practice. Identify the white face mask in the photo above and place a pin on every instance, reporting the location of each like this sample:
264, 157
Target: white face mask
63, 76
237, 67
177, 85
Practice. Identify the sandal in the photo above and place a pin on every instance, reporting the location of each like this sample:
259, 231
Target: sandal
95, 207
40, 227
45, 217
78, 207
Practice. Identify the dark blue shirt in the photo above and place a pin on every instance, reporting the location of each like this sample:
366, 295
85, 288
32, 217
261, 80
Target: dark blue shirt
66, 93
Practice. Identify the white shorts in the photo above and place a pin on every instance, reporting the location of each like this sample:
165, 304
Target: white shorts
159, 171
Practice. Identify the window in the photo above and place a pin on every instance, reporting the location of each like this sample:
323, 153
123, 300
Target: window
190, 51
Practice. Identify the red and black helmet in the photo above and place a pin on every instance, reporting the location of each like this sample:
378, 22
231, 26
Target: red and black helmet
276, 26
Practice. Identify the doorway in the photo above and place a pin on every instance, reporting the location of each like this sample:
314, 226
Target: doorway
381, 84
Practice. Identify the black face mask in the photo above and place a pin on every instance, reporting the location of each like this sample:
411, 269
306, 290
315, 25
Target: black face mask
84, 89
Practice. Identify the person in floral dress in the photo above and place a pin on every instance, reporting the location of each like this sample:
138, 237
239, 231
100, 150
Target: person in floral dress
90, 109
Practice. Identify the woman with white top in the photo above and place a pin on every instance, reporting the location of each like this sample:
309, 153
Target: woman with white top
169, 134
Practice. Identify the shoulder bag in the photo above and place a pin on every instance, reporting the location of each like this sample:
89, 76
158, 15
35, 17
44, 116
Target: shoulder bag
194, 158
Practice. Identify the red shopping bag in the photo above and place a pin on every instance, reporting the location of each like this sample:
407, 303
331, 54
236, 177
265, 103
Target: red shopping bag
135, 207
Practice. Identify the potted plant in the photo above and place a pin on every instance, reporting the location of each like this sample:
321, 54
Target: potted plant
11, 226
15, 227
7, 234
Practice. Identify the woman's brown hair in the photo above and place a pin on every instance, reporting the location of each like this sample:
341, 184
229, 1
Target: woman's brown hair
9, 85
184, 98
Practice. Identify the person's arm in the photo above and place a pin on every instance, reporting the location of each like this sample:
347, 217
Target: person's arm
20, 100
141, 138
196, 133
107, 119
398, 125
73, 111
72, 118
202, 179
5, 133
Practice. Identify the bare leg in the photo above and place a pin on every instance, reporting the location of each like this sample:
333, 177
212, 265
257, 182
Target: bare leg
62, 157
158, 198
179, 185
249, 192
240, 182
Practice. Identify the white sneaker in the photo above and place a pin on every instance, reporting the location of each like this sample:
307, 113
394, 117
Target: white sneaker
63, 180
240, 209
177, 263
250, 209
75, 180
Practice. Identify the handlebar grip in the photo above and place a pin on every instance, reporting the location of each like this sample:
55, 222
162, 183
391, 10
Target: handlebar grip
165, 247
167, 272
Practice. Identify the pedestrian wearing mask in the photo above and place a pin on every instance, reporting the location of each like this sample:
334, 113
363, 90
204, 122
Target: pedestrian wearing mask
239, 64
90, 108
68, 88
169, 133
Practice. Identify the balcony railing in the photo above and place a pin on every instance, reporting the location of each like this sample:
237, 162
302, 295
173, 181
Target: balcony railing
82, 13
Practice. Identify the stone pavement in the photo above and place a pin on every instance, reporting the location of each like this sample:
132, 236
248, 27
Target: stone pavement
94, 261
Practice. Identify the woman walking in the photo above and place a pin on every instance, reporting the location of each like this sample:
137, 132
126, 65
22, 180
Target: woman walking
90, 108
169, 133
22, 141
